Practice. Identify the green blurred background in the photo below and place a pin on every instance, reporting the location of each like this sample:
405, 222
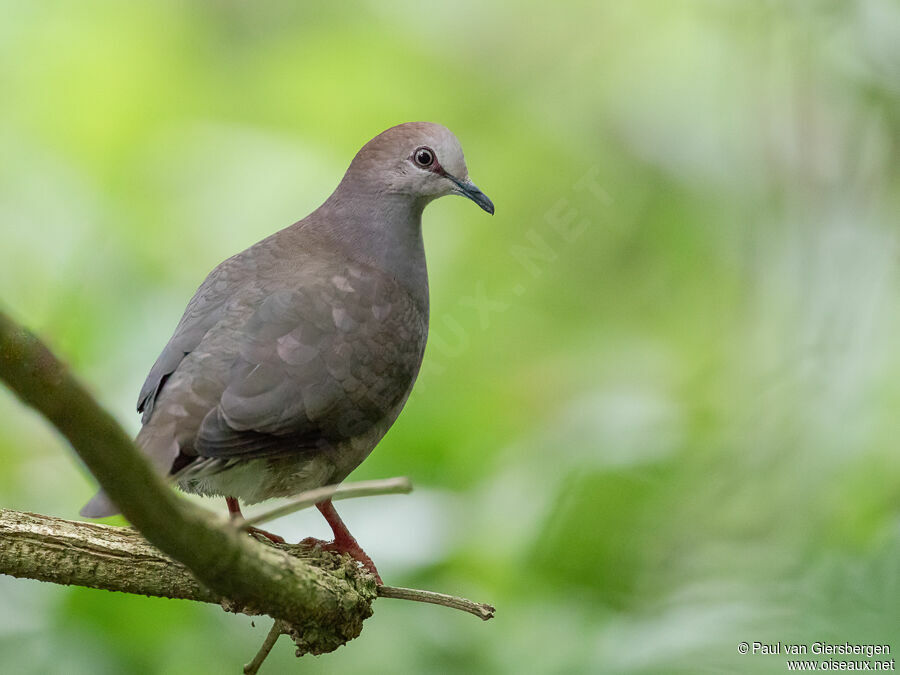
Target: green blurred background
659, 408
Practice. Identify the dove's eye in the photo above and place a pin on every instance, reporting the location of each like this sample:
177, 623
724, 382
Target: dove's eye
424, 156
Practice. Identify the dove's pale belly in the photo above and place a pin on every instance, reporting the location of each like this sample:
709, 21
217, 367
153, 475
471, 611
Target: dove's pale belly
256, 480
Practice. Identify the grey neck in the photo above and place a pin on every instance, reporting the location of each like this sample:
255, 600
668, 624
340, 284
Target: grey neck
383, 230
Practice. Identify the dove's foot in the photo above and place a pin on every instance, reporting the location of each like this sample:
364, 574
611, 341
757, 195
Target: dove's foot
352, 548
344, 542
274, 538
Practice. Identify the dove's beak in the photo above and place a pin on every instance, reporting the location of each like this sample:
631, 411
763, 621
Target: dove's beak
467, 188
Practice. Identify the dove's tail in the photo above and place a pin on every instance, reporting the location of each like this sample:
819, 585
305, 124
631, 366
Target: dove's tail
160, 449
100, 506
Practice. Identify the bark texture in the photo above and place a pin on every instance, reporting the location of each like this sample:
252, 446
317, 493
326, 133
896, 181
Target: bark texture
64, 552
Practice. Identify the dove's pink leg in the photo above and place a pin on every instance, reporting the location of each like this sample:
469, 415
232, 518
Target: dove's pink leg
343, 540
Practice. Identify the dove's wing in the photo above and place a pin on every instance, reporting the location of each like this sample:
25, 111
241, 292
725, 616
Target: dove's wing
315, 365
204, 311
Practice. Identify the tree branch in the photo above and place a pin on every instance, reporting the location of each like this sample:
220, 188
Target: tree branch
119, 559
480, 609
92, 555
275, 632
73, 553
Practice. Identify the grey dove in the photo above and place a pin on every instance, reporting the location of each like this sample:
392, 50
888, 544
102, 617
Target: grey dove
295, 356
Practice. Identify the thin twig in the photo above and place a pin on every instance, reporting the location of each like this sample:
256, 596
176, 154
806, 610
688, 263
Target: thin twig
275, 632
304, 500
481, 610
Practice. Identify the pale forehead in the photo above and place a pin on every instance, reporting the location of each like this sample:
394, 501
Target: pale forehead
448, 148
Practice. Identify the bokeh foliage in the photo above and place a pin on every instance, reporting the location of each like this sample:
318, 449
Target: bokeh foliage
659, 411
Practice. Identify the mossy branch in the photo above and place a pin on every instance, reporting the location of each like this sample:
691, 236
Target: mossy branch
92, 555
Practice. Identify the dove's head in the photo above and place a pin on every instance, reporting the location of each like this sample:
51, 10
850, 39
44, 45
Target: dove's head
419, 159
